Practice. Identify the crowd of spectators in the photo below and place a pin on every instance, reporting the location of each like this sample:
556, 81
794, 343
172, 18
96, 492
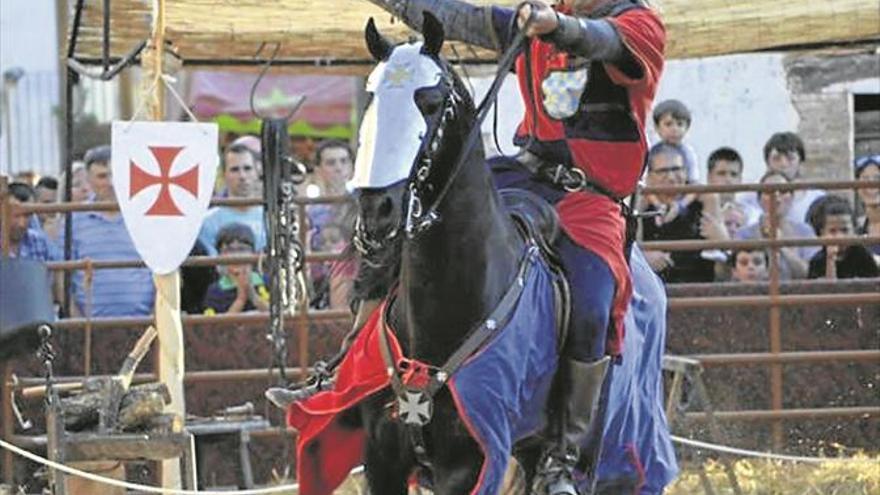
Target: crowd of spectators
101, 235
799, 214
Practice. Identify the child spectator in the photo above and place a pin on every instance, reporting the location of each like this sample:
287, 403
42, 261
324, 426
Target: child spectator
332, 281
833, 217
734, 217
749, 265
239, 287
793, 261
672, 119
725, 167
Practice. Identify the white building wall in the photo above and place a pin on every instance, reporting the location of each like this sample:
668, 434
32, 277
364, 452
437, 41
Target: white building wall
736, 101
28, 39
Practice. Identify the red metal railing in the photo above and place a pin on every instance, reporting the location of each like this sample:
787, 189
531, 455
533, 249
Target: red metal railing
774, 300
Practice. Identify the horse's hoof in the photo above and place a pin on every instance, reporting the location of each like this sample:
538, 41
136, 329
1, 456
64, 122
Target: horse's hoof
281, 397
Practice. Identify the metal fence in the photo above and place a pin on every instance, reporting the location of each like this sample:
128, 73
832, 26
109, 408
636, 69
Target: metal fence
775, 359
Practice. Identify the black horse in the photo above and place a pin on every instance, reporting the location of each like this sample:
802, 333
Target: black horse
454, 251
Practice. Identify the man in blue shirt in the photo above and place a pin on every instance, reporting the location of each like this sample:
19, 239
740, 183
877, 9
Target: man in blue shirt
25, 240
242, 181
101, 235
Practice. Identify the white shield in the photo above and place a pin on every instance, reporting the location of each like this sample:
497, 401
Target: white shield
163, 175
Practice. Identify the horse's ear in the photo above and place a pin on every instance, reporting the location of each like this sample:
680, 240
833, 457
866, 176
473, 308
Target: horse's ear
380, 48
432, 28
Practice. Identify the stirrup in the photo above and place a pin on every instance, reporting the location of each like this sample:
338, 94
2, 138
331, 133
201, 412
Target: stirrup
556, 474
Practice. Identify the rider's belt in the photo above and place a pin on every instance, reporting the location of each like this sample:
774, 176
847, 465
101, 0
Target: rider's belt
571, 179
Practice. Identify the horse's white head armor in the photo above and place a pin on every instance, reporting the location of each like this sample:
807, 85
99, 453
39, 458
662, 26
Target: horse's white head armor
393, 127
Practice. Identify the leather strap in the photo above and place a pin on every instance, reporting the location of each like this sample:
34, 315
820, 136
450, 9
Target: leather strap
477, 337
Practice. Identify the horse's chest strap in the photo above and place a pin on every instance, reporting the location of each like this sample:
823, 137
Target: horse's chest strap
416, 383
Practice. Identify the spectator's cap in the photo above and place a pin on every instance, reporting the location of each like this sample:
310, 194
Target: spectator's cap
863, 162
21, 191
98, 154
235, 232
675, 108
250, 142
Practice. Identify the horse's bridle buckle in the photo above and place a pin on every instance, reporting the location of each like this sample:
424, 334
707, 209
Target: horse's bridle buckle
575, 179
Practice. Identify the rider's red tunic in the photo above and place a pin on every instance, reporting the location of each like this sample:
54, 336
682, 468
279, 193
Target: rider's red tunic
602, 133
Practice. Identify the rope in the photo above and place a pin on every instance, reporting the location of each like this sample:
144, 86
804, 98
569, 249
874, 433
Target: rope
283, 488
143, 103
146, 488
763, 455
169, 83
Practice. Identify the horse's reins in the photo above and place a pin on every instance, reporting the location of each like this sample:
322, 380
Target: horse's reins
505, 64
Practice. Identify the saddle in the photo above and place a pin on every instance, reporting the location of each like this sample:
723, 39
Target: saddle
538, 223
25, 305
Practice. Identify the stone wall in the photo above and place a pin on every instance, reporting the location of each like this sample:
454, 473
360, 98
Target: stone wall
822, 85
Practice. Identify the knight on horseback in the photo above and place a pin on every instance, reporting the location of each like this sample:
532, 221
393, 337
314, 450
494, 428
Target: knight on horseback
588, 77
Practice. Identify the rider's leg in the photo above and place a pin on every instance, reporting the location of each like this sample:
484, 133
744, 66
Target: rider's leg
583, 368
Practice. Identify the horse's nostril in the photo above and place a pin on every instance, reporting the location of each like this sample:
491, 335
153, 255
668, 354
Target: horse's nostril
386, 207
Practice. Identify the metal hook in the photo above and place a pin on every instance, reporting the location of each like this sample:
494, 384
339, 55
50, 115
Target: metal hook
263, 71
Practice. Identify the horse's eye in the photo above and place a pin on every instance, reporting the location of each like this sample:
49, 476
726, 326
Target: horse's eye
430, 102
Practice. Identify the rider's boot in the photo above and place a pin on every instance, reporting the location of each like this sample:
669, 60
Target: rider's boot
581, 387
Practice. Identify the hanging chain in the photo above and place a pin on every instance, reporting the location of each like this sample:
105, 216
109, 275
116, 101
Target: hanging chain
46, 354
286, 259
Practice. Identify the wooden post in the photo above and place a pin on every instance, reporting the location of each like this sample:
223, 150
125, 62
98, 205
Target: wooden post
775, 332
169, 358
6, 430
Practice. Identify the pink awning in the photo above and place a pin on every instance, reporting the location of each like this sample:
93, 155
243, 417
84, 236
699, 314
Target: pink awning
329, 99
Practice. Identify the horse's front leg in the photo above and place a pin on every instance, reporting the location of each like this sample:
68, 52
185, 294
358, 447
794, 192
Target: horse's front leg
387, 463
460, 477
457, 458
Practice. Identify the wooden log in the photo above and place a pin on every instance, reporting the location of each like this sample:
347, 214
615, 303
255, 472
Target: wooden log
80, 412
138, 405
141, 404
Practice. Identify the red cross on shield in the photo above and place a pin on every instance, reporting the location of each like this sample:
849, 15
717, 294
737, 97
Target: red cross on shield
141, 179
163, 175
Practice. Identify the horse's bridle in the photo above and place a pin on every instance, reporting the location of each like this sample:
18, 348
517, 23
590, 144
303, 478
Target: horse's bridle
415, 218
